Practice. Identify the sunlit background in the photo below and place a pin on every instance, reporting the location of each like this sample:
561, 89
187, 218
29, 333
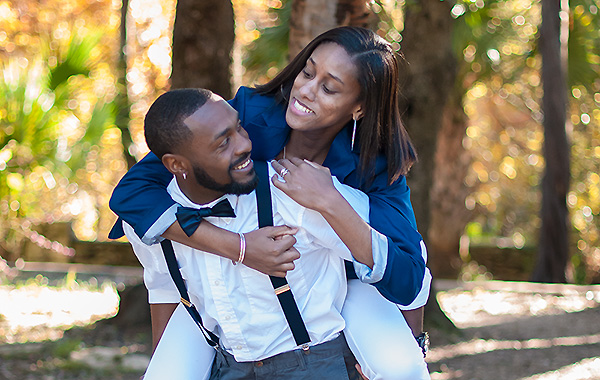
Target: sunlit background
68, 78
64, 143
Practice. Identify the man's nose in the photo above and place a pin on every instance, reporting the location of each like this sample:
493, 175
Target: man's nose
244, 144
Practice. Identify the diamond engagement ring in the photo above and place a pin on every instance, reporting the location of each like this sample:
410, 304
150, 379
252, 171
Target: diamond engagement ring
284, 172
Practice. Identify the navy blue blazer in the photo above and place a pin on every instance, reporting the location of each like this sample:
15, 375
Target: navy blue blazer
141, 197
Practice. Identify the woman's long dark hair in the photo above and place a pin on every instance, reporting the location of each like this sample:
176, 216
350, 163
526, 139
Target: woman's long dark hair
380, 130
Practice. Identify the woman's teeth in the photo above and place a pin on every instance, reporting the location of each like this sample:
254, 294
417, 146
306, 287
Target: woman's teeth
301, 108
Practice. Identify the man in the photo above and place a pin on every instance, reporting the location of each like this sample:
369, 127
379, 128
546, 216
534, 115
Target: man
198, 137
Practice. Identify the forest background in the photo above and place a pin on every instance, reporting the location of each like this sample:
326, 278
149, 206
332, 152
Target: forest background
78, 76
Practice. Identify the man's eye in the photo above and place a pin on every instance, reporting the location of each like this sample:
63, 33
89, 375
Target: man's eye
224, 142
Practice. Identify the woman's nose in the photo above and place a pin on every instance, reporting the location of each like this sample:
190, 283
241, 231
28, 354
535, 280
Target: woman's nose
308, 89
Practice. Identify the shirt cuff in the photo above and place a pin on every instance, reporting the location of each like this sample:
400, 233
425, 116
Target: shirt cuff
163, 296
159, 227
423, 295
379, 247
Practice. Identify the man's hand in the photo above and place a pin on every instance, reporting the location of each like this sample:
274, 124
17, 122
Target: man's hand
270, 250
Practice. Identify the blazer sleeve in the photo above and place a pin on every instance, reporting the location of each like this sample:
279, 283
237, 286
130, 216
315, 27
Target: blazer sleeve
391, 214
141, 198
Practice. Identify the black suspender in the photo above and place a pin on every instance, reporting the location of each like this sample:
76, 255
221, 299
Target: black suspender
280, 284
167, 248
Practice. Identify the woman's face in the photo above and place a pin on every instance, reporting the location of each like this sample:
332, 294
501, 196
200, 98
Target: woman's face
325, 93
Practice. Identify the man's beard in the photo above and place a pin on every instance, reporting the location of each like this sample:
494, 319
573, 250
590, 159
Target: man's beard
233, 187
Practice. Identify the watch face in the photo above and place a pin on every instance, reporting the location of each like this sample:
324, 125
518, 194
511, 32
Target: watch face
423, 342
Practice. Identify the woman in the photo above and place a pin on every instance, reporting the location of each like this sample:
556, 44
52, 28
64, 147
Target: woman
339, 100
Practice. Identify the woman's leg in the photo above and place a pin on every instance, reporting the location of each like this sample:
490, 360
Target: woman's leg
182, 352
379, 336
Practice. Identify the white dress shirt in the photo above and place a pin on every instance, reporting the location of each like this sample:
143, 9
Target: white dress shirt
238, 303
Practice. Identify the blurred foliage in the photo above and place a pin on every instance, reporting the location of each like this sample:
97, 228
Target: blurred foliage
268, 54
60, 153
501, 71
148, 55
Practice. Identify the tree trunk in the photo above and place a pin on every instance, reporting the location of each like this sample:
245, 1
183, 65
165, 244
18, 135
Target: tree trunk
553, 251
122, 99
429, 76
203, 39
448, 212
312, 17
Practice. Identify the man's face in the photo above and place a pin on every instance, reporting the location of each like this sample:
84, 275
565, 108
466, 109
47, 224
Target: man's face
219, 151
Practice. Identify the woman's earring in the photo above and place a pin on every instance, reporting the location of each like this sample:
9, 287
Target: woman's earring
353, 135
184, 175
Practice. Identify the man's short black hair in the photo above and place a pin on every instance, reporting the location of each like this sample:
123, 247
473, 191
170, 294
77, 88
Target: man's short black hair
164, 128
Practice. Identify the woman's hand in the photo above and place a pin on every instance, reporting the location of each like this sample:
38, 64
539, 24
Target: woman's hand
311, 186
306, 182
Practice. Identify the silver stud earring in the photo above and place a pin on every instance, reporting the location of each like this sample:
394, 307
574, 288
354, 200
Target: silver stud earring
353, 135
184, 175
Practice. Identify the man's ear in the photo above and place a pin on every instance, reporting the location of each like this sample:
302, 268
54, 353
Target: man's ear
176, 164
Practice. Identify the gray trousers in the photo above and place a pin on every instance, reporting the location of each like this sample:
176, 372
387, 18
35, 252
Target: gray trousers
327, 360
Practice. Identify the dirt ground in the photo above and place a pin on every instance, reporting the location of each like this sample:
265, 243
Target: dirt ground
518, 331
508, 331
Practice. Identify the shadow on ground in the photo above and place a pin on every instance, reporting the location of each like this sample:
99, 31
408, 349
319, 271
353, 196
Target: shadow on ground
519, 348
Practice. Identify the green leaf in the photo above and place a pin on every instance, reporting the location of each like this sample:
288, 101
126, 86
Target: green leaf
76, 61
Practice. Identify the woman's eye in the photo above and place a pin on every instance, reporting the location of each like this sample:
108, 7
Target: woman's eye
327, 90
306, 74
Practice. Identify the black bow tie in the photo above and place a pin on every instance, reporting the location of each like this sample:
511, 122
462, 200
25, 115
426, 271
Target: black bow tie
189, 218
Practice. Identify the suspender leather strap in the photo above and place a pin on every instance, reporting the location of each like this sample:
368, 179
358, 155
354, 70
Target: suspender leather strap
280, 284
167, 248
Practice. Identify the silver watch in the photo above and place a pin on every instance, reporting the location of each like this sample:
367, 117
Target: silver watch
423, 342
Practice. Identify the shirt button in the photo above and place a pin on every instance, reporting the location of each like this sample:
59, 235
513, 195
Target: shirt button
227, 317
217, 282
258, 364
239, 347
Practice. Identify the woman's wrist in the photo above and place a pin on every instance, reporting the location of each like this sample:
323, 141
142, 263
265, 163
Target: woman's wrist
330, 202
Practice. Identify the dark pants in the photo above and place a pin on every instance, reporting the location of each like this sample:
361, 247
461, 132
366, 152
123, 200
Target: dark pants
324, 361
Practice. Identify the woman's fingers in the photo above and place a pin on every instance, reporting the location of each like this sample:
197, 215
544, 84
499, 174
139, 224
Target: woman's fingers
313, 164
282, 168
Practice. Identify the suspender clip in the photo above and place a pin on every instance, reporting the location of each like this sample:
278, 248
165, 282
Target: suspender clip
186, 302
282, 288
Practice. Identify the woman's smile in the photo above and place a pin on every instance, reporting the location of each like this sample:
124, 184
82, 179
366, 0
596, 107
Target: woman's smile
300, 108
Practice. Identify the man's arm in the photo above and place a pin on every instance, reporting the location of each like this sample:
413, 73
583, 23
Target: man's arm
269, 250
